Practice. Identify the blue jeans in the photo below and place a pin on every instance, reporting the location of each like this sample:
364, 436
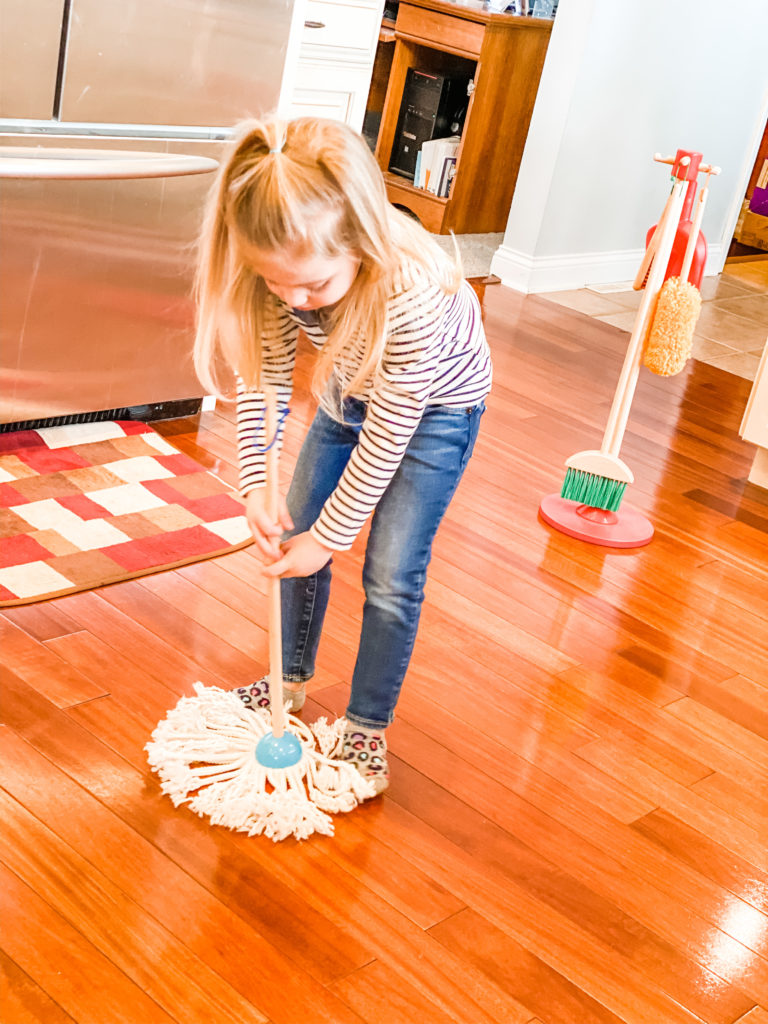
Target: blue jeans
399, 546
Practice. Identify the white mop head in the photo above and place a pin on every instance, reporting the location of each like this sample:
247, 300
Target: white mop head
204, 753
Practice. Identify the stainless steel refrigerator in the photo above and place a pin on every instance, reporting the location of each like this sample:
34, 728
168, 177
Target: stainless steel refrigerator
112, 115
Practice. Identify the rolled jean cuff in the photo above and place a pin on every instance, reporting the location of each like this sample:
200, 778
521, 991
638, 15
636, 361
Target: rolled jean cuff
367, 723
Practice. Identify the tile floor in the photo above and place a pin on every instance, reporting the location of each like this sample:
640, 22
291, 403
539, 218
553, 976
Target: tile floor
733, 325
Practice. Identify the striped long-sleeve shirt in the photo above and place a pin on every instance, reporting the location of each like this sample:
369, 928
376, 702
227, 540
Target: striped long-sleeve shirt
435, 354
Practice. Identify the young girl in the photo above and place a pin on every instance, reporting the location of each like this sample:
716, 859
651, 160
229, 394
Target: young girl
300, 236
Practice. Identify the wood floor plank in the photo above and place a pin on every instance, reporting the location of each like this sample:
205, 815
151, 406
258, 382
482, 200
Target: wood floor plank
654, 921
155, 960
742, 801
145, 696
379, 993
231, 937
541, 989
757, 1015
190, 637
230, 626
710, 859
721, 729
177, 667
43, 669
557, 941
637, 717
23, 1001
743, 839
65, 965
575, 828
449, 983
660, 915
637, 878
43, 621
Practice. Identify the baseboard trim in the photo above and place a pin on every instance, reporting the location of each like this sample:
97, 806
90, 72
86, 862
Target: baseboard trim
527, 273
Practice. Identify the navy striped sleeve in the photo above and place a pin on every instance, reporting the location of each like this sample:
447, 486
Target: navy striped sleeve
278, 360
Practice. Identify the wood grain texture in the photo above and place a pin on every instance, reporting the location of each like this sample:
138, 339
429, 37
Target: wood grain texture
577, 825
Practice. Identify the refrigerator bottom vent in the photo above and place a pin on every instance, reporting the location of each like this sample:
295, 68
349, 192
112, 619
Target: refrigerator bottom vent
156, 411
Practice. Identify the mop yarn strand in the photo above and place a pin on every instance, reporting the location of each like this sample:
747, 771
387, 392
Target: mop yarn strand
204, 752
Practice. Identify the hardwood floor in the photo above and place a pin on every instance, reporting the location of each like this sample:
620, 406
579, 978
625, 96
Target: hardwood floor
577, 823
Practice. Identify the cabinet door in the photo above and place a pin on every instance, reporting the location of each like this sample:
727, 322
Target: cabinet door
322, 90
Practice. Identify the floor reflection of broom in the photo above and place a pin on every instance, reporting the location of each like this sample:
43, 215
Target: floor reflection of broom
588, 504
251, 770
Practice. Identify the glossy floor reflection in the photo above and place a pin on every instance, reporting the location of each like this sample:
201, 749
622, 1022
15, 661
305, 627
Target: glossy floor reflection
576, 827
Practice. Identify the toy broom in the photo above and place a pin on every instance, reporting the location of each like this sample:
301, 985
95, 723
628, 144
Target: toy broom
588, 506
251, 770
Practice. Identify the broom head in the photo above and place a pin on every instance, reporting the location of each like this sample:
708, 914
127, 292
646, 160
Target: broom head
596, 479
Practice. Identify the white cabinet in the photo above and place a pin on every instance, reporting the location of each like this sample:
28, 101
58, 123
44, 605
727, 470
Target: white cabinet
338, 40
340, 93
754, 426
342, 30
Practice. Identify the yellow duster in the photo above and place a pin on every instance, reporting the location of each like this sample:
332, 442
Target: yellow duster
670, 336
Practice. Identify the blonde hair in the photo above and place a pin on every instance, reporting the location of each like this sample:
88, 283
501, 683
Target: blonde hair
311, 185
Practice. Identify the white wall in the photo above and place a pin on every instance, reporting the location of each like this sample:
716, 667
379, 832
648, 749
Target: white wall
623, 80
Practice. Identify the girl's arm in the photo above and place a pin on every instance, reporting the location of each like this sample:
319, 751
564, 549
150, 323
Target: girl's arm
395, 407
278, 360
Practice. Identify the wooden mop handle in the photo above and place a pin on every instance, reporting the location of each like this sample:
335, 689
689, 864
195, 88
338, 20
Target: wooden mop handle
277, 711
650, 252
694, 235
666, 229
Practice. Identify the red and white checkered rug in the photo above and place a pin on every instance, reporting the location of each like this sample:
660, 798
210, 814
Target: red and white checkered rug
94, 503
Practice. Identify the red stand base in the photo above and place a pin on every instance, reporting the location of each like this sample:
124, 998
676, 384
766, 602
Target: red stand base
626, 528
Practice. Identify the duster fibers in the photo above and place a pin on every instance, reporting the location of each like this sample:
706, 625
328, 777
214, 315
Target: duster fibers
670, 338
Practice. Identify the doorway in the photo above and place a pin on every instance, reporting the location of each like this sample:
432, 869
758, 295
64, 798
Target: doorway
747, 257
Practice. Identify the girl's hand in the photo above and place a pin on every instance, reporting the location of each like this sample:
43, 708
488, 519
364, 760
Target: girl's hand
301, 556
266, 532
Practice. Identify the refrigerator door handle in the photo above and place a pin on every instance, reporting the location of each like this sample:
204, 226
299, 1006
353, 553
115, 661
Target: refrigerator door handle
99, 165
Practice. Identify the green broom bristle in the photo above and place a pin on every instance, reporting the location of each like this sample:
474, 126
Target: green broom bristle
590, 489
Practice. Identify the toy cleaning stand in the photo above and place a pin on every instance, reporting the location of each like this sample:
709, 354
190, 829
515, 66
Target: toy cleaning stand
588, 506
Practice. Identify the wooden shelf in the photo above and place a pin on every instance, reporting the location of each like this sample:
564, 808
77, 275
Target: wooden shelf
504, 54
430, 209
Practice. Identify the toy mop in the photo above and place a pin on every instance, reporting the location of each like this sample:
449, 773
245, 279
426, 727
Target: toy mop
256, 771
588, 506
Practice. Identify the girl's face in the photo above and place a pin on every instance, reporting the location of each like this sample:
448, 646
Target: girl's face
304, 282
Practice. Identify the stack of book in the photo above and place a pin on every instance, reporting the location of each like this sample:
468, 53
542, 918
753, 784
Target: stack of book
435, 165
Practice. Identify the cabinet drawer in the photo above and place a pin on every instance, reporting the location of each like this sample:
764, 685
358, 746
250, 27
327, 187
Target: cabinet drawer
440, 30
341, 29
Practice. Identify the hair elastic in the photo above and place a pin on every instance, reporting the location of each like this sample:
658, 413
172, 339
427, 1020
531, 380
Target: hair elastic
281, 417
278, 150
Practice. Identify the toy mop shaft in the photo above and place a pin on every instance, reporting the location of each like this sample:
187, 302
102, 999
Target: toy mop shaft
641, 278
619, 414
695, 229
273, 582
